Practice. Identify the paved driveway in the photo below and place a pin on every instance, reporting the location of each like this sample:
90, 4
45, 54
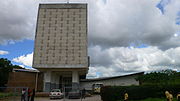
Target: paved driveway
93, 98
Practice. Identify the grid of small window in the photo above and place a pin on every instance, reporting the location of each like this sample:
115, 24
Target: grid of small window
62, 36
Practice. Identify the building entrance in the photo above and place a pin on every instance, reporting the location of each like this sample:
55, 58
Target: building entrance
65, 82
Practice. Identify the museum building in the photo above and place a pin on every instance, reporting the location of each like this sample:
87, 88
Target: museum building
60, 50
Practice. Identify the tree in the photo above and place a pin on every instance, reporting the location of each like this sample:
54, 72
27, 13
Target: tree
5, 67
162, 77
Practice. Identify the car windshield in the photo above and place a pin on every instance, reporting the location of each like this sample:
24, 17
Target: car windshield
56, 90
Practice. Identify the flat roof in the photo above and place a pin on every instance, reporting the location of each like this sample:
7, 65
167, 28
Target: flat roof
107, 78
64, 5
26, 70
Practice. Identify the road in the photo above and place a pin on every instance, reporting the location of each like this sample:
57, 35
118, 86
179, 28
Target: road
93, 98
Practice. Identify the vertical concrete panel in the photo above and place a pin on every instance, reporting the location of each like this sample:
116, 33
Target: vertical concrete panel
53, 80
47, 81
57, 81
75, 77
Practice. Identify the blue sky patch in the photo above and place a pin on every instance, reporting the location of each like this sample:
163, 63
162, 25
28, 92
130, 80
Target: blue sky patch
178, 18
138, 45
162, 4
17, 49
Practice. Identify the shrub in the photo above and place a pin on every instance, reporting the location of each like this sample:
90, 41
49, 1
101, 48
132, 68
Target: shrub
4, 95
114, 93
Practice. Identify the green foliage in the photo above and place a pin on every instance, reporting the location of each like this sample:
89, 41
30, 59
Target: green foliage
154, 85
116, 93
154, 99
160, 78
3, 95
5, 68
150, 99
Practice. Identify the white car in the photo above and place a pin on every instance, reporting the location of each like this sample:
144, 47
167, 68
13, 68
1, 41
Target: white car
55, 93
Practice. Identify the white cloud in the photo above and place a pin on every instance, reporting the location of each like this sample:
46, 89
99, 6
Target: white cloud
22, 66
118, 23
24, 59
92, 72
123, 60
113, 26
120, 60
114, 23
3, 52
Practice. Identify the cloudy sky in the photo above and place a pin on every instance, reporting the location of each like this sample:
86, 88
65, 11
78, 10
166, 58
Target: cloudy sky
125, 36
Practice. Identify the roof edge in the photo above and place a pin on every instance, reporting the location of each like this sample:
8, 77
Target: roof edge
107, 78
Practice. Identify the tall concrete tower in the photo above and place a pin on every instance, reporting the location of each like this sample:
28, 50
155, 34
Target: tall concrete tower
60, 51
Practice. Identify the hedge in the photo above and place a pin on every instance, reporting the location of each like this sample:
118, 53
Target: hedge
4, 95
114, 93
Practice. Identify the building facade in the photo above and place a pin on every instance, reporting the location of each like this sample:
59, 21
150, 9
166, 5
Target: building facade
60, 51
124, 80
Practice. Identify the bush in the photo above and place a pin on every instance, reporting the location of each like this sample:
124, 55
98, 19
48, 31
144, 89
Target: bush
4, 95
114, 93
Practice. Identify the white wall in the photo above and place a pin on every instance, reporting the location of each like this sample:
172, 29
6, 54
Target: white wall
75, 77
121, 81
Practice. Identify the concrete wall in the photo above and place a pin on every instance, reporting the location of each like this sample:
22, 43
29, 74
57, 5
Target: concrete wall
61, 36
61, 41
121, 81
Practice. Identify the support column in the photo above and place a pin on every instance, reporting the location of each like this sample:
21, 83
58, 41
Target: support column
75, 79
36, 85
53, 81
57, 81
47, 81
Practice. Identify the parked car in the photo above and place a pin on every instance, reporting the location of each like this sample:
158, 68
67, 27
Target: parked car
55, 93
75, 93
